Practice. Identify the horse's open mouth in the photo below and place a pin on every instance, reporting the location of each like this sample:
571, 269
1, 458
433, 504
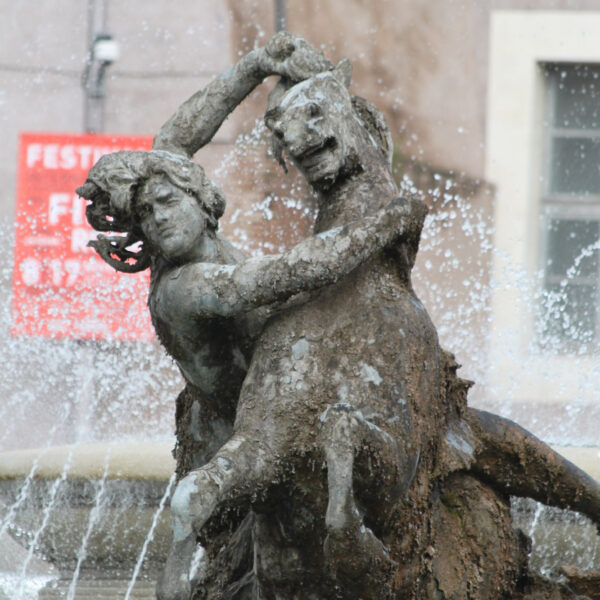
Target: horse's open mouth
313, 155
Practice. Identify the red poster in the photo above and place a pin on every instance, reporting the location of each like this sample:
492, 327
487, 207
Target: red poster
62, 288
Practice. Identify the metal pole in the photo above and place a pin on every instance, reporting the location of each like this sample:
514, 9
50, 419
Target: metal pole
280, 16
93, 122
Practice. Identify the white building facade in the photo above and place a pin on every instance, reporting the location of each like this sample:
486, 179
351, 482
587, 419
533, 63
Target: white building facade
543, 156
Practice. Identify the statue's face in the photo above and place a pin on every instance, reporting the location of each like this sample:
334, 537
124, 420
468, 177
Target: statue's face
312, 123
171, 220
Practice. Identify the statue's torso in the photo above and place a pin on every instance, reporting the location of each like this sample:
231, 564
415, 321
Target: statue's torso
212, 353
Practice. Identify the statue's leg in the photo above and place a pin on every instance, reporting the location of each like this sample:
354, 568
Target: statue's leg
201, 429
238, 469
352, 550
515, 462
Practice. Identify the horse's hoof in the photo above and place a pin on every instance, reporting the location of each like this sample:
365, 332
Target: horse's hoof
366, 549
173, 588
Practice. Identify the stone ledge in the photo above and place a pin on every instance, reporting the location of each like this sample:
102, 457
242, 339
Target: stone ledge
586, 458
153, 460
132, 460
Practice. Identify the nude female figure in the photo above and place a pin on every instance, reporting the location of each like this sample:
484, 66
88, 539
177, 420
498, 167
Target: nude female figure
213, 370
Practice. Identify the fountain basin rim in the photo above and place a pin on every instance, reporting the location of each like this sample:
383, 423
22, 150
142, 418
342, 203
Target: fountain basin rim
130, 460
587, 458
154, 461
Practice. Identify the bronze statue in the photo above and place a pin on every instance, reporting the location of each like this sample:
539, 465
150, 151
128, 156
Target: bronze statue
352, 442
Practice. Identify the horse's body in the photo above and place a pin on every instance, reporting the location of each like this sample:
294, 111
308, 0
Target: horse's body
354, 374
352, 440
369, 476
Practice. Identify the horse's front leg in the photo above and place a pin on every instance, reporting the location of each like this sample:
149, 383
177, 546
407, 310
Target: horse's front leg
194, 501
352, 550
514, 461
240, 467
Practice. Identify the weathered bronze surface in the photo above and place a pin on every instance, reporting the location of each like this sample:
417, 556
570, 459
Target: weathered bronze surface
325, 448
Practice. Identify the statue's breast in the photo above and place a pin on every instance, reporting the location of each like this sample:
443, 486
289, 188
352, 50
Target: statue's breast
212, 353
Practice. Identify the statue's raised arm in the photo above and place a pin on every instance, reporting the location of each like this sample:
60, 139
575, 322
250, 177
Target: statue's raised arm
197, 120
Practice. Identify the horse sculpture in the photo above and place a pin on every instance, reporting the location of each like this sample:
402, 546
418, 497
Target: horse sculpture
351, 420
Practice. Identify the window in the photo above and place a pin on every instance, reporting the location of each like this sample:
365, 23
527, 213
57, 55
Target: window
571, 209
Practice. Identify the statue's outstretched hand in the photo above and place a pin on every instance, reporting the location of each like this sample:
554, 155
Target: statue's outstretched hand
292, 57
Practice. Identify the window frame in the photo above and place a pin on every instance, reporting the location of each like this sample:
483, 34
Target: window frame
564, 207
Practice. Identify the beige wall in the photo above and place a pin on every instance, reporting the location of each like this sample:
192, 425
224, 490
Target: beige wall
43, 46
424, 63
53, 392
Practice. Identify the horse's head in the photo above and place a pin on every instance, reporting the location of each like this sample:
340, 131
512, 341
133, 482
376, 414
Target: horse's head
323, 128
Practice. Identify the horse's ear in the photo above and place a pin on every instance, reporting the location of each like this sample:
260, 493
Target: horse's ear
343, 72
